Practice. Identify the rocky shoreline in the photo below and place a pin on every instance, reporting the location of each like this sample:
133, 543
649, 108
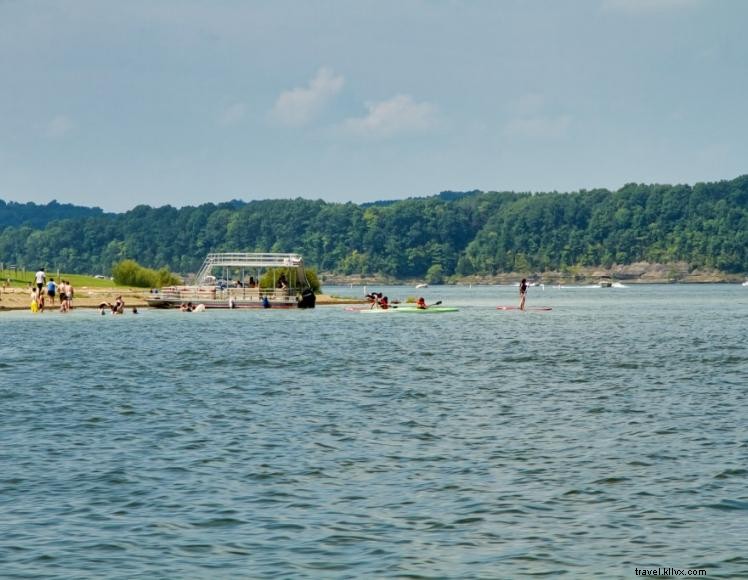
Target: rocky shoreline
637, 273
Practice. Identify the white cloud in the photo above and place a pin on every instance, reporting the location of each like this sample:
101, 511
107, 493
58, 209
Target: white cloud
301, 105
538, 128
60, 126
646, 6
233, 114
400, 114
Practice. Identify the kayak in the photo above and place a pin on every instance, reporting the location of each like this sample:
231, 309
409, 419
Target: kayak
536, 308
429, 310
410, 310
369, 308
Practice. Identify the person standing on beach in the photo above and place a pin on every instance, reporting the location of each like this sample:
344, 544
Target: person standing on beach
34, 300
63, 297
66, 296
41, 279
69, 292
522, 293
51, 290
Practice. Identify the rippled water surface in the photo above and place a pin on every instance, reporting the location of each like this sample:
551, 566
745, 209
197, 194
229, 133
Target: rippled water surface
608, 434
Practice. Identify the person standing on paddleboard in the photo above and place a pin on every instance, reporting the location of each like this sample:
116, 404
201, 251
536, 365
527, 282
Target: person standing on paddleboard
522, 293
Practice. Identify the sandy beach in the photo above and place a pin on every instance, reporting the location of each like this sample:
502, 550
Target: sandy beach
20, 298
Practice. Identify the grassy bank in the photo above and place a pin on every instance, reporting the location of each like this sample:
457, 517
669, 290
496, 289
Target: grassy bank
21, 279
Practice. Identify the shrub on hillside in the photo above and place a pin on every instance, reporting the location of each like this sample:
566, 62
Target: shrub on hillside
130, 273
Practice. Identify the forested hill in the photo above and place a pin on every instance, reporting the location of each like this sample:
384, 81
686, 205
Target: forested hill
434, 237
38, 216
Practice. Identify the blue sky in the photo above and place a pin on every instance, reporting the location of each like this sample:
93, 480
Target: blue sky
115, 103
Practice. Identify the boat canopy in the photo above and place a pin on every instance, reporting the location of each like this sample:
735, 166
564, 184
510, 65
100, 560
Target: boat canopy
250, 260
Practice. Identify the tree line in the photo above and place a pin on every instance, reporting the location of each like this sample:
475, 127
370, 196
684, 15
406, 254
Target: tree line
30, 214
453, 233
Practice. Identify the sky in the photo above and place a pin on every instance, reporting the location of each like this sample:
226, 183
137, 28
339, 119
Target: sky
182, 102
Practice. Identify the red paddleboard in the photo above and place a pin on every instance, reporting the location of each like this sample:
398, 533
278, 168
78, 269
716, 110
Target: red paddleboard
536, 308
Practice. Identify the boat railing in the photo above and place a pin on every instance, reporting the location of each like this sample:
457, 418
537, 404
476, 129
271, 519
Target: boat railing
248, 260
198, 293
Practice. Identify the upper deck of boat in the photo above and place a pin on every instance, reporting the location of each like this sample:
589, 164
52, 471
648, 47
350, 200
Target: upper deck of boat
250, 260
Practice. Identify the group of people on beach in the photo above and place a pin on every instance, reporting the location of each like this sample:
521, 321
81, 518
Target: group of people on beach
42, 291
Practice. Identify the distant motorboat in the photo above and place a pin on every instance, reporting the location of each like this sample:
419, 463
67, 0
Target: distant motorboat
422, 285
745, 283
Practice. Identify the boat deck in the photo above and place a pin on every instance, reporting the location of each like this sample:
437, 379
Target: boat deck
216, 293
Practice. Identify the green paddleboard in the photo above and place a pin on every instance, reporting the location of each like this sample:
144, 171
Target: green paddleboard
429, 310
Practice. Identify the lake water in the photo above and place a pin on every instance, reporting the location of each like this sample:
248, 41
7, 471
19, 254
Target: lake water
606, 435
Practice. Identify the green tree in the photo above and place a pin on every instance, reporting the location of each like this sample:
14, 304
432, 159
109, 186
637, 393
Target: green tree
435, 274
130, 273
270, 277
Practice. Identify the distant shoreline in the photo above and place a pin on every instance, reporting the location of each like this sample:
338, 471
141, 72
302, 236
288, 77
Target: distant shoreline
640, 273
637, 273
